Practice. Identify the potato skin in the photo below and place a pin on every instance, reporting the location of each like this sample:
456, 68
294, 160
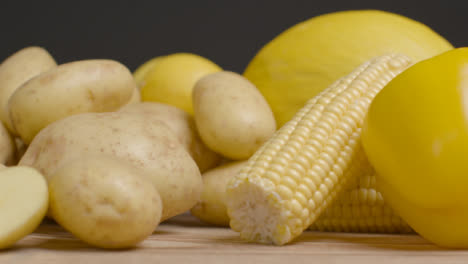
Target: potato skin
20, 149
71, 88
212, 206
183, 125
150, 146
104, 201
8, 152
16, 70
136, 97
231, 115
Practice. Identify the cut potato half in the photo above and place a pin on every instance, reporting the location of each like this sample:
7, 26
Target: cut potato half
23, 203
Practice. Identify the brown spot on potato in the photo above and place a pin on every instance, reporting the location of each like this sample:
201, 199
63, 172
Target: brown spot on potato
90, 95
47, 78
84, 182
88, 209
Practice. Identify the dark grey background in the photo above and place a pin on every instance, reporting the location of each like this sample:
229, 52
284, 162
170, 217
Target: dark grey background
227, 32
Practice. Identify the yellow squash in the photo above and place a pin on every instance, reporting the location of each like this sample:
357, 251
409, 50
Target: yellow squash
170, 79
416, 137
310, 56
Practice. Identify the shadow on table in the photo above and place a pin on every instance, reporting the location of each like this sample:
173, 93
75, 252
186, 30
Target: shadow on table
187, 220
382, 242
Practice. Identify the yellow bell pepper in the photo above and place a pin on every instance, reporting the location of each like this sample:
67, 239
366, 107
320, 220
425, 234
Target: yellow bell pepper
416, 137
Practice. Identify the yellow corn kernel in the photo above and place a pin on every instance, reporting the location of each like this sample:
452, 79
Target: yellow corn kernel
361, 208
295, 175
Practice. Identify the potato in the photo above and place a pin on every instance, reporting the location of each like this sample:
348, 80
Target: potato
150, 146
212, 206
8, 153
71, 88
183, 125
231, 115
136, 97
104, 201
16, 70
20, 148
23, 203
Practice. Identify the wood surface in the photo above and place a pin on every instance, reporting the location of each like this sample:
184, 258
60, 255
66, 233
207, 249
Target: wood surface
186, 240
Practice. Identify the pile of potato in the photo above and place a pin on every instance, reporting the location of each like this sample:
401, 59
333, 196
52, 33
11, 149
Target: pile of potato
80, 147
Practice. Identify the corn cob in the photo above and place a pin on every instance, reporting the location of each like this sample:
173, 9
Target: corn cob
292, 178
360, 207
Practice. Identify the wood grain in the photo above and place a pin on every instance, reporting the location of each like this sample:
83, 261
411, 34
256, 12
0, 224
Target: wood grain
184, 239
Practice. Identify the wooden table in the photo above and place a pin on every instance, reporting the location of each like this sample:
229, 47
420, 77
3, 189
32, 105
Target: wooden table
186, 240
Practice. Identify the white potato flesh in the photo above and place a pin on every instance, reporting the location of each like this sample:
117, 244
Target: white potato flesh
23, 203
